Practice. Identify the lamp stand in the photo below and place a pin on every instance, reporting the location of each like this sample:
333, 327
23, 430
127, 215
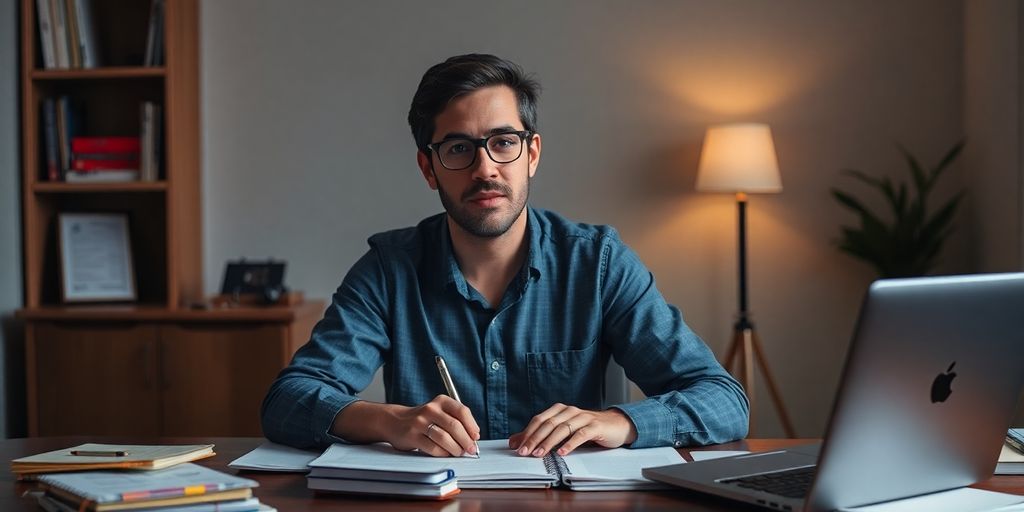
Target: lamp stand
745, 341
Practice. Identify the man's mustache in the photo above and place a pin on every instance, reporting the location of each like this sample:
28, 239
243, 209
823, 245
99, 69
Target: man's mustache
487, 186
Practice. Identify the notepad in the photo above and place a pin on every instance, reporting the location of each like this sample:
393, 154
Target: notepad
119, 490
587, 468
134, 457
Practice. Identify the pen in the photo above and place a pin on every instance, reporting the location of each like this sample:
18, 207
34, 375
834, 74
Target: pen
450, 387
89, 453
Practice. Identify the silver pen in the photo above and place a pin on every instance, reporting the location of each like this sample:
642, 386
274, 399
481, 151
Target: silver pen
449, 385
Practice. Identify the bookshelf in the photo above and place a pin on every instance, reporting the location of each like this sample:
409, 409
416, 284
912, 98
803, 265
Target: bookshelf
164, 215
136, 368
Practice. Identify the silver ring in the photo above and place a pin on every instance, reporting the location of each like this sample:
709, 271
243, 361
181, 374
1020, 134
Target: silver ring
430, 427
571, 430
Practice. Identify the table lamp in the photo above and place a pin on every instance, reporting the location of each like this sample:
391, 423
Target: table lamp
740, 158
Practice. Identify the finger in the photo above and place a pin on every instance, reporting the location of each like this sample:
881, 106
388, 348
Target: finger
528, 442
464, 415
443, 440
565, 427
550, 431
582, 435
449, 414
515, 440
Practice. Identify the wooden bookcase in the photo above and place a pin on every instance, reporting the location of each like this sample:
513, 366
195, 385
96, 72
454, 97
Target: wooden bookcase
164, 216
154, 366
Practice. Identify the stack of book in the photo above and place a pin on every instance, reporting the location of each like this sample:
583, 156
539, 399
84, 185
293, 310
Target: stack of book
96, 477
67, 34
104, 159
437, 485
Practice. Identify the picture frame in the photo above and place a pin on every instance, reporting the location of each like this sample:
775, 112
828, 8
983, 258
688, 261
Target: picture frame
96, 258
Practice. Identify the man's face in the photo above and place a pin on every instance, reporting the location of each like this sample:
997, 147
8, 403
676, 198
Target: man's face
486, 198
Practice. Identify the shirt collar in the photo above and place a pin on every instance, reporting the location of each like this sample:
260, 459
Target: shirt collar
450, 274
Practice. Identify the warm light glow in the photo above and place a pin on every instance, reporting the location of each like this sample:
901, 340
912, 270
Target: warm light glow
738, 158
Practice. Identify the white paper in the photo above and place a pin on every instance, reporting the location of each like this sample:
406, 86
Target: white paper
496, 462
965, 499
619, 468
275, 457
714, 454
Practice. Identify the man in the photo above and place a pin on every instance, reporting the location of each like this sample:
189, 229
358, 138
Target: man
525, 306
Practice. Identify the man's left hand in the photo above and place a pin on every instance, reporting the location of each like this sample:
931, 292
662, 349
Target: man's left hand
610, 428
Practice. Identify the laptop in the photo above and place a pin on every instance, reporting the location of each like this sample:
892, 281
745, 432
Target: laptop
928, 391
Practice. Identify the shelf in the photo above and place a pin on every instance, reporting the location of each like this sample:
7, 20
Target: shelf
150, 313
75, 188
97, 73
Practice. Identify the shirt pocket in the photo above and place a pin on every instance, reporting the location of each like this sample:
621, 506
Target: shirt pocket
572, 377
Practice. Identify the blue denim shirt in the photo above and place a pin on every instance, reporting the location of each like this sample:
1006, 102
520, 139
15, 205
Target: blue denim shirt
581, 297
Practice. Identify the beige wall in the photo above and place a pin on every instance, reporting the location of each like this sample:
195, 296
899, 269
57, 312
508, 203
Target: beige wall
307, 152
993, 123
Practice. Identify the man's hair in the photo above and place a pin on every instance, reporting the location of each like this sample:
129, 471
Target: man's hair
461, 75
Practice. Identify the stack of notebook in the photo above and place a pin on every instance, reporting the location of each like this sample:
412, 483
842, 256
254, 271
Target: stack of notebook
96, 477
438, 485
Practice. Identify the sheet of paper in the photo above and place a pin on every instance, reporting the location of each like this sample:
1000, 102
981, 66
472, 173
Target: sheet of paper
619, 464
496, 461
965, 499
1008, 454
700, 455
275, 457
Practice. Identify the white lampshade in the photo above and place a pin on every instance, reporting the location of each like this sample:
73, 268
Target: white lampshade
738, 158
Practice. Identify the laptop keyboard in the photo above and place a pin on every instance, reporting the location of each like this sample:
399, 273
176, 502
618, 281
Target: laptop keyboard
791, 483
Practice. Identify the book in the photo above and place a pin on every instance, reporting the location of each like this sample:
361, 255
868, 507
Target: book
51, 503
118, 490
50, 139
148, 457
58, 17
83, 164
71, 22
154, 34
441, 491
105, 145
102, 176
46, 37
1015, 439
1011, 462
411, 477
586, 468
86, 34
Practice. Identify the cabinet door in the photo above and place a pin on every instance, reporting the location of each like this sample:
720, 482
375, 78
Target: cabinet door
95, 379
215, 376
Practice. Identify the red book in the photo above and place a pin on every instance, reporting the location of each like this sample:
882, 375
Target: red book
105, 145
100, 165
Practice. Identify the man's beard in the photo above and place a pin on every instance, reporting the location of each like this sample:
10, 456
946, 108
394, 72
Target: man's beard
487, 223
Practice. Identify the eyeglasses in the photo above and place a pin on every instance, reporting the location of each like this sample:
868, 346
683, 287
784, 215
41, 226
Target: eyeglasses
459, 154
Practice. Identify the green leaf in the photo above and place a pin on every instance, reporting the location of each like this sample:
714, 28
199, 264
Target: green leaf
909, 244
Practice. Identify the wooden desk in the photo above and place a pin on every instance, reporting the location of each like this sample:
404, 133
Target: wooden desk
288, 492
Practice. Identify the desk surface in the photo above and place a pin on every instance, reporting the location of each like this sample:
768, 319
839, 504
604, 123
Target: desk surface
288, 492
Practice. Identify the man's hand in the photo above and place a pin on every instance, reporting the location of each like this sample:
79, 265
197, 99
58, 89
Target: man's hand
441, 427
575, 426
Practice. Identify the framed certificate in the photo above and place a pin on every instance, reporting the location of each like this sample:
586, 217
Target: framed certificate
96, 257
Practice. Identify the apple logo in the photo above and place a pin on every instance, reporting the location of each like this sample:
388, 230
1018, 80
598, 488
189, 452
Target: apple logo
941, 387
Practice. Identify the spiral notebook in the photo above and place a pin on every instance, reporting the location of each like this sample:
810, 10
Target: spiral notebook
498, 467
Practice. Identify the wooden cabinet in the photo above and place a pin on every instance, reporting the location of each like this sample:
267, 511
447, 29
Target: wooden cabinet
137, 372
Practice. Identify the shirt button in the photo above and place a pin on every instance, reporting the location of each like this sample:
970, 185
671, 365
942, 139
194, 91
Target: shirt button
495, 365
678, 444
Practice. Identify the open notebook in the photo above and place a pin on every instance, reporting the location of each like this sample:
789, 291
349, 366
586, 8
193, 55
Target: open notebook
585, 469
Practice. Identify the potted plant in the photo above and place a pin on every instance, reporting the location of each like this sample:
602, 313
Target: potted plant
905, 242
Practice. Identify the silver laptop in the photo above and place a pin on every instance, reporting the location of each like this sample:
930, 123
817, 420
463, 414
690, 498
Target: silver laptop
930, 385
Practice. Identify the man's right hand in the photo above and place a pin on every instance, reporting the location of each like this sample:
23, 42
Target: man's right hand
441, 427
